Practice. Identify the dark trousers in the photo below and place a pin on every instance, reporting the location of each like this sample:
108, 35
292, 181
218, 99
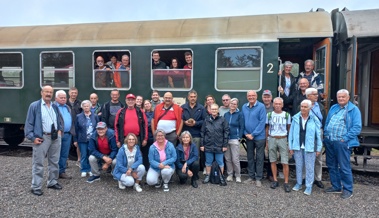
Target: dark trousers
194, 167
145, 153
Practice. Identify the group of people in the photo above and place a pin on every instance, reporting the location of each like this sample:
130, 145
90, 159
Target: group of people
161, 137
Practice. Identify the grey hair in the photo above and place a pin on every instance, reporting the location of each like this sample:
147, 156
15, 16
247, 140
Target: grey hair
158, 131
279, 99
308, 102
234, 99
288, 63
343, 91
182, 135
309, 91
60, 92
85, 102
309, 60
251, 91
226, 95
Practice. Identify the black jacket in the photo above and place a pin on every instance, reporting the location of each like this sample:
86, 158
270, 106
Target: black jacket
105, 114
214, 134
288, 106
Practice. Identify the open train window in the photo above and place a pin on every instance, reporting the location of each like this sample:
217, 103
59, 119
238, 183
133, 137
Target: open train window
112, 69
172, 69
238, 69
57, 69
11, 70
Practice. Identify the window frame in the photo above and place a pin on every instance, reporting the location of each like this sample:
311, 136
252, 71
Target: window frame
55, 69
169, 88
239, 69
93, 61
22, 71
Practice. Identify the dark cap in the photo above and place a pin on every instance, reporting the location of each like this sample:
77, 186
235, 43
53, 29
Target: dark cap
130, 96
267, 92
101, 125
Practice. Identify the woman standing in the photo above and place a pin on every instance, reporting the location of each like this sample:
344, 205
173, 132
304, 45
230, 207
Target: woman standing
236, 126
214, 141
139, 102
187, 164
162, 157
209, 100
149, 112
305, 144
129, 169
287, 84
84, 127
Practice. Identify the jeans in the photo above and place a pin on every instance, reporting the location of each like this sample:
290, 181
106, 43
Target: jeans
338, 162
255, 158
84, 154
210, 157
65, 148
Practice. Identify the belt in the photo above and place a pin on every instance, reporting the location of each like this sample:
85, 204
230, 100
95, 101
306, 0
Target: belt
278, 137
47, 133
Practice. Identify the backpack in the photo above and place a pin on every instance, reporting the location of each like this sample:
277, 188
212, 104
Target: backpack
214, 177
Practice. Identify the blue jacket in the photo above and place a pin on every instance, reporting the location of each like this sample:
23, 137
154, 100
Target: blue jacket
81, 126
236, 124
154, 158
33, 124
353, 122
199, 116
93, 146
193, 155
313, 141
255, 120
149, 117
122, 162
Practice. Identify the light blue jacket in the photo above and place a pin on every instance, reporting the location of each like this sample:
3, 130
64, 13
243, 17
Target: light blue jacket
122, 162
313, 141
353, 122
154, 157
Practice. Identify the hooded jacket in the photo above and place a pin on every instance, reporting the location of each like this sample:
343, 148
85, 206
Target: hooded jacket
122, 162
214, 134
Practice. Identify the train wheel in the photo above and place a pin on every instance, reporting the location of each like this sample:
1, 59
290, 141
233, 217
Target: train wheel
14, 135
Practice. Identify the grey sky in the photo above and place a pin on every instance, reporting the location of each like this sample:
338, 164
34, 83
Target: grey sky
46, 12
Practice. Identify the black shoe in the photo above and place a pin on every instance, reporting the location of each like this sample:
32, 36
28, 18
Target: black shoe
56, 186
222, 181
287, 187
37, 192
319, 184
274, 184
194, 183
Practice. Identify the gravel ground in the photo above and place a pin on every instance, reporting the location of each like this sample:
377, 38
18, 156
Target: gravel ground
104, 199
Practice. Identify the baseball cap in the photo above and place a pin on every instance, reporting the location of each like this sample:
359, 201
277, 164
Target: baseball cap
130, 96
101, 125
267, 92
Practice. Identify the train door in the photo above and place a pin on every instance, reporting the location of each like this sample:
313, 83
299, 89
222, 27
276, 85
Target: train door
374, 89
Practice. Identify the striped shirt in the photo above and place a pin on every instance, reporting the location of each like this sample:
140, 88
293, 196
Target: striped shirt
48, 117
337, 125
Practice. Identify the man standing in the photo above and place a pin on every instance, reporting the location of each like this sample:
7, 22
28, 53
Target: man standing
95, 105
318, 111
68, 131
43, 126
225, 108
278, 124
296, 97
267, 100
110, 108
343, 125
168, 117
193, 117
74, 104
255, 119
130, 119
102, 147
155, 99
314, 79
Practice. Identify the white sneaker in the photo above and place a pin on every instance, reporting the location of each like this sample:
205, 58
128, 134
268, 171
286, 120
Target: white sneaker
258, 183
83, 174
229, 179
204, 172
90, 174
120, 185
165, 187
137, 187
238, 179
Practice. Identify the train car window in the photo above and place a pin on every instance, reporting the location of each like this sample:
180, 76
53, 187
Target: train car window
172, 69
112, 69
238, 69
11, 70
57, 69
320, 62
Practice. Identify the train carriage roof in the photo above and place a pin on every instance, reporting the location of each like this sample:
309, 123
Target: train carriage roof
181, 31
360, 23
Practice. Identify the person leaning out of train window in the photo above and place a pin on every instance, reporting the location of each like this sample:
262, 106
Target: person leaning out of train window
162, 157
103, 149
209, 100
189, 65
315, 79
187, 164
85, 124
214, 141
176, 78
304, 141
129, 169
287, 83
103, 74
121, 77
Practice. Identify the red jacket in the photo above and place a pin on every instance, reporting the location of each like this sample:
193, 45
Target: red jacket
177, 111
